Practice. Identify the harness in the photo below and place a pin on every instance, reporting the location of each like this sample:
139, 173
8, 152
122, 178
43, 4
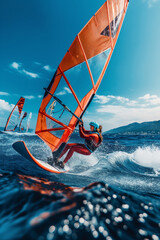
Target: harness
91, 145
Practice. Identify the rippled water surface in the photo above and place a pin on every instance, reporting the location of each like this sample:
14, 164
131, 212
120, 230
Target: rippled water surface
112, 194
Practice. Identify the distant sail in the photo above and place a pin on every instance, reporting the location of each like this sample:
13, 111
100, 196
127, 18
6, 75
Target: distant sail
28, 121
22, 128
14, 116
79, 75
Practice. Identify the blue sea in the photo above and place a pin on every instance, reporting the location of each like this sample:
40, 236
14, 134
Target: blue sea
112, 194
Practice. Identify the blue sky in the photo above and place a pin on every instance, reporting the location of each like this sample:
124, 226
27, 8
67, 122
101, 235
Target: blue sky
35, 36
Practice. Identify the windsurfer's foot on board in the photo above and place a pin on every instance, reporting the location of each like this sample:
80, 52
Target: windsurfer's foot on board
93, 139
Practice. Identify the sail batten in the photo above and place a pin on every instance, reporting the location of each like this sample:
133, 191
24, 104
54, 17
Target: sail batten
69, 85
55, 120
86, 62
109, 25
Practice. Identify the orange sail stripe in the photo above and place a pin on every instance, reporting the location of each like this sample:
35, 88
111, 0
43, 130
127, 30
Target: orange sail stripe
20, 104
50, 130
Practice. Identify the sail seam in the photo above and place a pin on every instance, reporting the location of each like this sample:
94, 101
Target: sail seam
55, 120
85, 57
108, 17
69, 85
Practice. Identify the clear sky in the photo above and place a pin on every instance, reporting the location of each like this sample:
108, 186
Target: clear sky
35, 36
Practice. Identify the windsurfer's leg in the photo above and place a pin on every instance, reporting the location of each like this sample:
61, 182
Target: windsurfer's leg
67, 147
78, 148
56, 160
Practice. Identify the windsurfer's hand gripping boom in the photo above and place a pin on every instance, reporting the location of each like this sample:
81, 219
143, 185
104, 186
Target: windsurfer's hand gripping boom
81, 123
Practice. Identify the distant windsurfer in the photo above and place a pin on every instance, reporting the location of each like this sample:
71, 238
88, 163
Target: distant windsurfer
93, 139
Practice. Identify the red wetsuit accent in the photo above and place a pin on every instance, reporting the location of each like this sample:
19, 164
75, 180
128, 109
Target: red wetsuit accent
78, 147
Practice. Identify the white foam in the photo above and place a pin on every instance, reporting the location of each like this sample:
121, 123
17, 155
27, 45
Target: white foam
12, 133
118, 157
83, 160
148, 157
145, 156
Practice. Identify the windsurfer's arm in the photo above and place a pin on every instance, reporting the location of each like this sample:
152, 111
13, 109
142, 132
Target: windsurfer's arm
84, 130
82, 133
87, 135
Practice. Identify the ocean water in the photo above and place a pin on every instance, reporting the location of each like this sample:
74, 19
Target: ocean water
112, 194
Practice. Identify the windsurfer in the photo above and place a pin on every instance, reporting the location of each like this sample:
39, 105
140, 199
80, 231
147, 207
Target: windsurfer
93, 139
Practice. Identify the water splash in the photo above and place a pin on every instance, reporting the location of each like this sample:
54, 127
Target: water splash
143, 158
148, 157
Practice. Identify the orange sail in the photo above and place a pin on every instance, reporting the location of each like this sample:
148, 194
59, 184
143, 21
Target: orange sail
14, 116
79, 75
21, 128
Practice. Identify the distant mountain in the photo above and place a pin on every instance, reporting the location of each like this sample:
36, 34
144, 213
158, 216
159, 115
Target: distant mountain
137, 128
